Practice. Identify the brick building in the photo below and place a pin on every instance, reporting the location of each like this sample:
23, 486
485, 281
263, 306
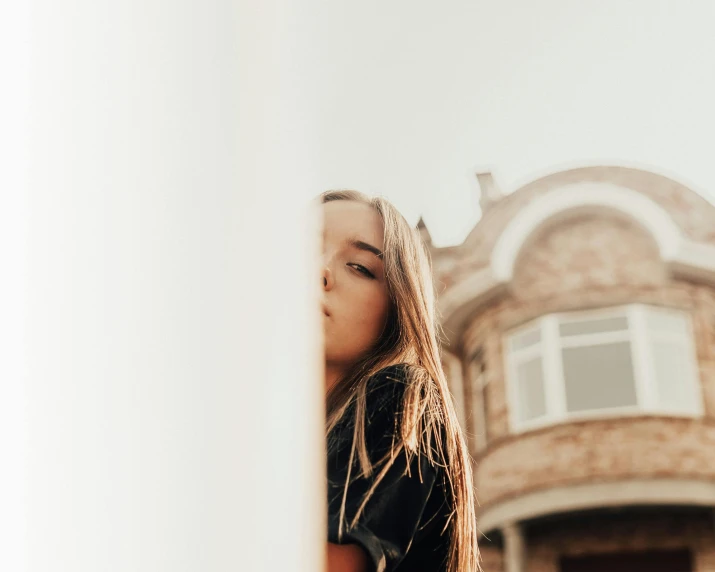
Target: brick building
580, 319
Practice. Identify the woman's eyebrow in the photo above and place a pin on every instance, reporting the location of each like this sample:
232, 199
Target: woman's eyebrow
361, 245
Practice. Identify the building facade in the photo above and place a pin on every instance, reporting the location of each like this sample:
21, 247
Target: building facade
579, 315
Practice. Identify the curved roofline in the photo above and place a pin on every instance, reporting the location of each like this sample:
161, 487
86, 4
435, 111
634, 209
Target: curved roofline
558, 171
587, 195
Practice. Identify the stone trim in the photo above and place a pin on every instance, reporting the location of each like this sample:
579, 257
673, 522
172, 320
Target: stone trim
583, 196
563, 499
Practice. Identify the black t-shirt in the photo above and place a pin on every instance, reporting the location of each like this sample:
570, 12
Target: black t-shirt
402, 526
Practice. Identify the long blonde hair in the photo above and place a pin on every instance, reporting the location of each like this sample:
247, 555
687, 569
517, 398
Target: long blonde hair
429, 422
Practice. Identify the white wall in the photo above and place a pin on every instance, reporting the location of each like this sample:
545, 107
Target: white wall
163, 410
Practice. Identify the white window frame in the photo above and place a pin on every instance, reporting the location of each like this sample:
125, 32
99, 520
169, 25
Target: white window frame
549, 349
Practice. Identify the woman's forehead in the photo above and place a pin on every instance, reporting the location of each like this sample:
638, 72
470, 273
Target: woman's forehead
354, 220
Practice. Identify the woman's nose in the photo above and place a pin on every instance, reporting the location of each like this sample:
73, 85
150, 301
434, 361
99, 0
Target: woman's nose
328, 280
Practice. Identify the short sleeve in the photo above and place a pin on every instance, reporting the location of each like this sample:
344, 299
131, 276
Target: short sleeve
391, 518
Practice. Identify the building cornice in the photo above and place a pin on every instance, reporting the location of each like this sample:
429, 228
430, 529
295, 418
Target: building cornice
571, 498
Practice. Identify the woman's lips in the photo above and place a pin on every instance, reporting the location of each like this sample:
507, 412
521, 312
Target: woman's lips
325, 311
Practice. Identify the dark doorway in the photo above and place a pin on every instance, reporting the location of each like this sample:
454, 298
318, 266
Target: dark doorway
655, 561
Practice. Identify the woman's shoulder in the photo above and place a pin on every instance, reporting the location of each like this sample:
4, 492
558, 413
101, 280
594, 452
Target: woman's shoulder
396, 376
384, 393
384, 400
387, 401
391, 377
386, 388
391, 382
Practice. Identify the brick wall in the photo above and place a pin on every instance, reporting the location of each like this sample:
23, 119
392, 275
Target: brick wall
591, 261
590, 451
492, 559
588, 262
597, 252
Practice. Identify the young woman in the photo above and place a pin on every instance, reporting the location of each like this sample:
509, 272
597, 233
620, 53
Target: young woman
400, 491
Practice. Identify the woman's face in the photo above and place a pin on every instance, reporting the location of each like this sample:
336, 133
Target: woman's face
355, 296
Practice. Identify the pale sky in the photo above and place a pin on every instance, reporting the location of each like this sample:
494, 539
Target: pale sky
414, 97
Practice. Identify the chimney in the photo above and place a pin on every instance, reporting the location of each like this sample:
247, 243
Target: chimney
490, 193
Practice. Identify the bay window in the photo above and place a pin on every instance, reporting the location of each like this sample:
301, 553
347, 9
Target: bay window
633, 359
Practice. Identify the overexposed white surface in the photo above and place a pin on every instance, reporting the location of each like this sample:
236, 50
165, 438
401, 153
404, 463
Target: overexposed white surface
161, 405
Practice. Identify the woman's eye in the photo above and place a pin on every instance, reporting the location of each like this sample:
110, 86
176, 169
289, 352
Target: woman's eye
360, 268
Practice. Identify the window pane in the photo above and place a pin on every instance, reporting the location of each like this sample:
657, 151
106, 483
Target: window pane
532, 399
530, 338
599, 377
617, 324
664, 321
674, 377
